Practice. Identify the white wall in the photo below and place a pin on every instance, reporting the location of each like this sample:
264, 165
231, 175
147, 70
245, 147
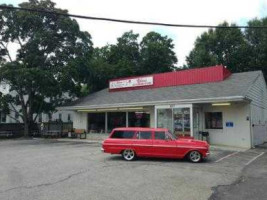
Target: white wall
239, 134
80, 120
258, 94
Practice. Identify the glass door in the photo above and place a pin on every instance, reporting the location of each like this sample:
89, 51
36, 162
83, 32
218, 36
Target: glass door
164, 118
177, 118
181, 121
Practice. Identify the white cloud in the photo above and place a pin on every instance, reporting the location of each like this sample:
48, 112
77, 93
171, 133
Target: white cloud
209, 12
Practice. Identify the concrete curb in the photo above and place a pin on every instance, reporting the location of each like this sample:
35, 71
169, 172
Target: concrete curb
79, 140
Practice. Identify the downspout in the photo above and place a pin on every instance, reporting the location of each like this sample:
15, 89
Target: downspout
251, 128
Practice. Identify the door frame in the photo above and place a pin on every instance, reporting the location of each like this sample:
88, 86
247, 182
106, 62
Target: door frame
172, 106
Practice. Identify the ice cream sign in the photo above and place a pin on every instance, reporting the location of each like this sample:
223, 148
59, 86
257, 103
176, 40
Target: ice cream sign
133, 82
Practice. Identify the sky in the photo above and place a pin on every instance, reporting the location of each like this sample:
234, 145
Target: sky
207, 12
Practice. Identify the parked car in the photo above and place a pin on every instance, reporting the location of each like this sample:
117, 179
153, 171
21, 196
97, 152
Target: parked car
153, 142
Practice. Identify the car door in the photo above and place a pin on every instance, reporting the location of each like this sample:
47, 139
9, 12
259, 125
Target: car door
143, 143
164, 145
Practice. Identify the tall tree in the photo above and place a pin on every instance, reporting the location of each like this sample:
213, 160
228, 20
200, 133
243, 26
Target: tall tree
157, 53
257, 42
127, 57
220, 46
46, 66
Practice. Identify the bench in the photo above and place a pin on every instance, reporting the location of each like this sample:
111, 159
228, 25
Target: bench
52, 133
6, 134
80, 132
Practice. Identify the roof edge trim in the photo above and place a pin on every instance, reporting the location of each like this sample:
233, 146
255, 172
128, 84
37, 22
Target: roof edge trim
152, 103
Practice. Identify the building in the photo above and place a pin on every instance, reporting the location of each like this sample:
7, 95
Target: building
13, 117
231, 107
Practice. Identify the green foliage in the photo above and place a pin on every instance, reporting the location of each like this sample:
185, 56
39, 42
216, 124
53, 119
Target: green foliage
220, 46
238, 50
257, 42
49, 60
157, 54
128, 58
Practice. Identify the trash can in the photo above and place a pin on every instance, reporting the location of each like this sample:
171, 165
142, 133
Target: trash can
204, 135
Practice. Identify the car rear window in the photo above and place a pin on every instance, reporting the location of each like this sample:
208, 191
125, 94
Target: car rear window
144, 135
159, 135
122, 134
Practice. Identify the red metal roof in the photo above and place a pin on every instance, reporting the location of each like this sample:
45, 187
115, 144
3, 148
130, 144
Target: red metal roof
183, 77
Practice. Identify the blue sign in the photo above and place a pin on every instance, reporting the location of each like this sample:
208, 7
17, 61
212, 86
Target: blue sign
229, 124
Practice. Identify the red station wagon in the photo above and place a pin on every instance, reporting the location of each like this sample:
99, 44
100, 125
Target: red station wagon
153, 142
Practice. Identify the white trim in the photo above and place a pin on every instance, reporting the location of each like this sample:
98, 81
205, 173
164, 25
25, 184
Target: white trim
151, 103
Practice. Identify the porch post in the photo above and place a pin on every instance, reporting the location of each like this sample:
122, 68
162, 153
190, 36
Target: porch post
106, 122
191, 121
127, 119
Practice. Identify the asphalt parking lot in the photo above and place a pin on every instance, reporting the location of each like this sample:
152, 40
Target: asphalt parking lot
48, 169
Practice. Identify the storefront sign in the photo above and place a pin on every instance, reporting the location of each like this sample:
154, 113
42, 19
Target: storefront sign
229, 124
133, 82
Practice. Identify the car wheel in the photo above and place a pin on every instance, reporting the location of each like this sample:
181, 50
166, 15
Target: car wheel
195, 156
128, 154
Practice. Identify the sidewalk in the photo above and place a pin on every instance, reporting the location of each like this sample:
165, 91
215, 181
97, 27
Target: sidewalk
227, 148
90, 138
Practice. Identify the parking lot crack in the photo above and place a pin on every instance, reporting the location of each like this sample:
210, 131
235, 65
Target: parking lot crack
46, 184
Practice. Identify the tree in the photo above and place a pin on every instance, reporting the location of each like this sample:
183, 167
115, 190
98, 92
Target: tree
157, 54
257, 42
129, 58
125, 55
220, 46
113, 61
48, 59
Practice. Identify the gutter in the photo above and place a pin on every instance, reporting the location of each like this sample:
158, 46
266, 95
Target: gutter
152, 103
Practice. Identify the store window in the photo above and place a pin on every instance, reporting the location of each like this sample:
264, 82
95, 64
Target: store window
213, 120
96, 122
164, 118
138, 119
116, 119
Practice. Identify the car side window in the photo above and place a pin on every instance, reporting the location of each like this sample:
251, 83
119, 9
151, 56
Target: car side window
160, 135
144, 135
123, 134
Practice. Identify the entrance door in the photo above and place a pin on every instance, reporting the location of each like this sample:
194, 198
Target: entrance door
177, 119
164, 118
181, 121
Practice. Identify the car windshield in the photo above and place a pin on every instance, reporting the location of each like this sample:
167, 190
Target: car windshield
172, 135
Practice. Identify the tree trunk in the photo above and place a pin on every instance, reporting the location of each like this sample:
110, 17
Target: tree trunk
26, 128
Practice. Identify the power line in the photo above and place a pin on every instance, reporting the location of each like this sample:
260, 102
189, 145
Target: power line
128, 21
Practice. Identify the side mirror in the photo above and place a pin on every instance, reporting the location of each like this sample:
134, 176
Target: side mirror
168, 139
